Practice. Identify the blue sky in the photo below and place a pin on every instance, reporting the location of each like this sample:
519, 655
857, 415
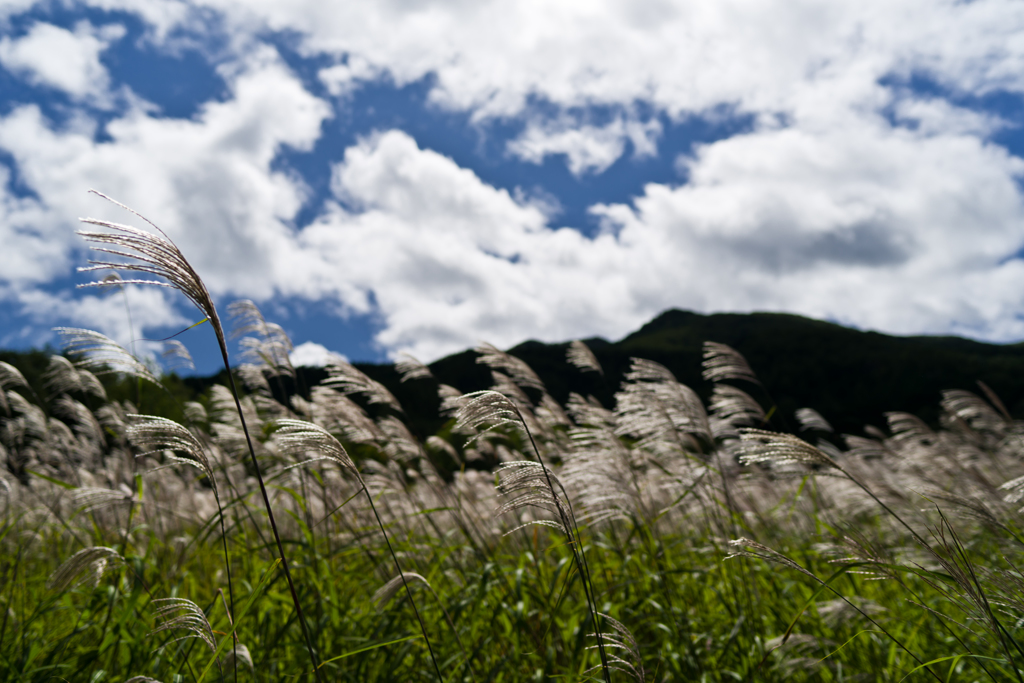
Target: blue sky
417, 177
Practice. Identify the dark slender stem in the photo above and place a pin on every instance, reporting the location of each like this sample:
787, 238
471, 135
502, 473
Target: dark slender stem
231, 592
263, 489
576, 546
405, 583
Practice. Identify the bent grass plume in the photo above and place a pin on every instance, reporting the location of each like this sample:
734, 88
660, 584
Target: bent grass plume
532, 484
299, 437
157, 255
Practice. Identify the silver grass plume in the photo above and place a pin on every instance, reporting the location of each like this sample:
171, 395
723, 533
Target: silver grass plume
483, 411
82, 420
862, 447
350, 380
385, 593
973, 410
176, 355
10, 376
531, 484
181, 613
302, 438
760, 446
655, 407
451, 400
265, 344
62, 377
195, 412
5, 488
238, 654
763, 552
599, 470
723, 362
811, 419
580, 355
33, 418
1016, 491
399, 443
588, 411
521, 373
732, 408
91, 498
101, 355
158, 434
343, 415
153, 254
410, 368
93, 562
621, 640
909, 429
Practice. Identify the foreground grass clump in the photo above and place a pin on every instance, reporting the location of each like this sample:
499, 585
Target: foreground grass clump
658, 538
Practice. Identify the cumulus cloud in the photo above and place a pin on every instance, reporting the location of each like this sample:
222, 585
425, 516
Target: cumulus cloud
122, 316
55, 57
497, 59
207, 182
883, 228
851, 196
587, 148
312, 355
445, 259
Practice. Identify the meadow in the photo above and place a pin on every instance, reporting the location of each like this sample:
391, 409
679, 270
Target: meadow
658, 538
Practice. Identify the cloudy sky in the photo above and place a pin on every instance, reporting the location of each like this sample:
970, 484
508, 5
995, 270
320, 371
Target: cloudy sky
401, 176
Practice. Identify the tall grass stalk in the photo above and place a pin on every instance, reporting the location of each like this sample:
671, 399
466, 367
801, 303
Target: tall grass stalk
158, 255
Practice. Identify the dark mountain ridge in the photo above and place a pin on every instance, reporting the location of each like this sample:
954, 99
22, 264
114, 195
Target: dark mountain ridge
851, 377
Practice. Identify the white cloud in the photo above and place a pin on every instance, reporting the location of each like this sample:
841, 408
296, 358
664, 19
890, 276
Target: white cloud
494, 58
450, 260
312, 355
55, 57
588, 148
207, 182
343, 79
105, 312
886, 229
824, 207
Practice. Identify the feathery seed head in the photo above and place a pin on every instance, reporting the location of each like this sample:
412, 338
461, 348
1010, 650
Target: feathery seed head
580, 355
811, 419
153, 254
350, 380
517, 369
63, 377
385, 593
620, 640
760, 446
301, 438
101, 355
160, 434
488, 409
94, 560
176, 355
181, 613
532, 484
723, 362
410, 368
